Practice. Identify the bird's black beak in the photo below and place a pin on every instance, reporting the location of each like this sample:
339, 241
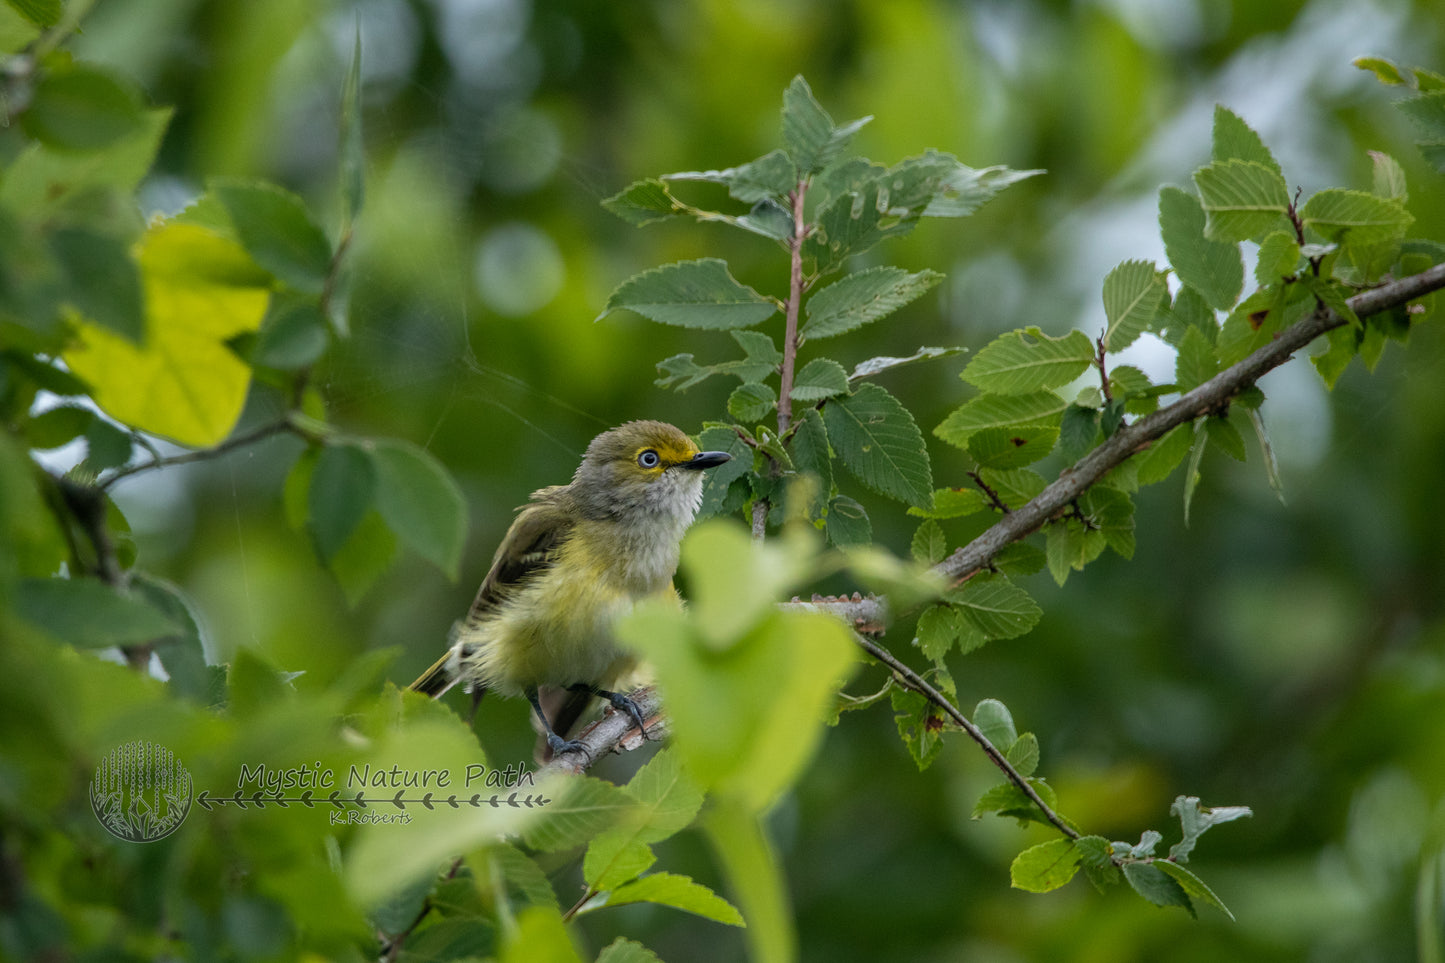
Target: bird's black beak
706, 459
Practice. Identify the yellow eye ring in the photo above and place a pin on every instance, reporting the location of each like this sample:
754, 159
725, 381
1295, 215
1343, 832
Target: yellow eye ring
649, 459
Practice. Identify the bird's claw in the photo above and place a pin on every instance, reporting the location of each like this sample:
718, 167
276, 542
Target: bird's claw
623, 703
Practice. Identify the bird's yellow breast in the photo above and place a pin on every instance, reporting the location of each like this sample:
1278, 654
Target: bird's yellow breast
556, 628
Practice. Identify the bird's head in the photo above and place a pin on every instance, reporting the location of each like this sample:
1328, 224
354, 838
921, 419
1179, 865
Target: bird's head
643, 469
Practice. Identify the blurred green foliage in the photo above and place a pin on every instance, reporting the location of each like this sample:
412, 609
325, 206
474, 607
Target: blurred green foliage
1287, 657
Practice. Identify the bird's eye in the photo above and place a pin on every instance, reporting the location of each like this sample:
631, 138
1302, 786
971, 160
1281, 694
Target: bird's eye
648, 459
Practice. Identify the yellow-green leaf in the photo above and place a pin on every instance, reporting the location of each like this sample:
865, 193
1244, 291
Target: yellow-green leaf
185, 383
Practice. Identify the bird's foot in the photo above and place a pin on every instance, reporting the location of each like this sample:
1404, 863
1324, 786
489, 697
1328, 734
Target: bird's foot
624, 703
558, 745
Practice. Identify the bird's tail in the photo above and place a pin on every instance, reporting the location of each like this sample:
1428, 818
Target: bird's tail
438, 679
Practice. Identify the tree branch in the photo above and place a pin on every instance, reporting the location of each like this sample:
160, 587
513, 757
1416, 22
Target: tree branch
614, 732
1073, 482
918, 684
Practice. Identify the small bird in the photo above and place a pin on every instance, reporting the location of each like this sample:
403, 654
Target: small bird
575, 560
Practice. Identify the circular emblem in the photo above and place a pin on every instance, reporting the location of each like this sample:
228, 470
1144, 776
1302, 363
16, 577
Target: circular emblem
141, 792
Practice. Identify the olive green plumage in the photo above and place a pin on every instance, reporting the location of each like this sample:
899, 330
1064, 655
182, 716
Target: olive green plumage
577, 558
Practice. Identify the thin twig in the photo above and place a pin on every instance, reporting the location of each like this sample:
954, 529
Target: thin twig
795, 299
920, 685
201, 454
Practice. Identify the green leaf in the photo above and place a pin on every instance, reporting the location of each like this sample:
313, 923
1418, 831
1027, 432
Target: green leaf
808, 132
1010, 802
1384, 71
820, 378
680, 892
810, 449
1045, 867
106, 445
277, 231
998, 608
993, 718
692, 294
752, 402
1078, 431
1195, 820
847, 523
762, 359
352, 160
42, 13
614, 857
87, 613
1428, 114
1354, 217
770, 176
966, 189
101, 280
667, 798
1152, 884
1192, 885
623, 950
343, 486
1196, 455
292, 336
1213, 268
1225, 437
181, 654
1133, 292
952, 503
1014, 486
920, 723
1023, 755
81, 108
716, 481
1343, 343
539, 936
420, 502
1235, 140
1111, 511
1011, 447
748, 686
1266, 450
1279, 257
184, 382
1243, 200
1335, 296
939, 626
1024, 362
57, 426
1095, 857
1037, 409
588, 807
1195, 363
42, 181
861, 298
643, 202
880, 443
522, 874
1388, 177
1069, 546
1189, 310
873, 366
929, 545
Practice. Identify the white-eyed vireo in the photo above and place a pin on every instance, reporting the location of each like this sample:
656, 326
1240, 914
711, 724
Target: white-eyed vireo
575, 560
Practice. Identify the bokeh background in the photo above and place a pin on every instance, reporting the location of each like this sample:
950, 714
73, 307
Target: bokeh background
1289, 657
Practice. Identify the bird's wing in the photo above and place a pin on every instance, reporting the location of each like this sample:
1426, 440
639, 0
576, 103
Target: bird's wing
530, 546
